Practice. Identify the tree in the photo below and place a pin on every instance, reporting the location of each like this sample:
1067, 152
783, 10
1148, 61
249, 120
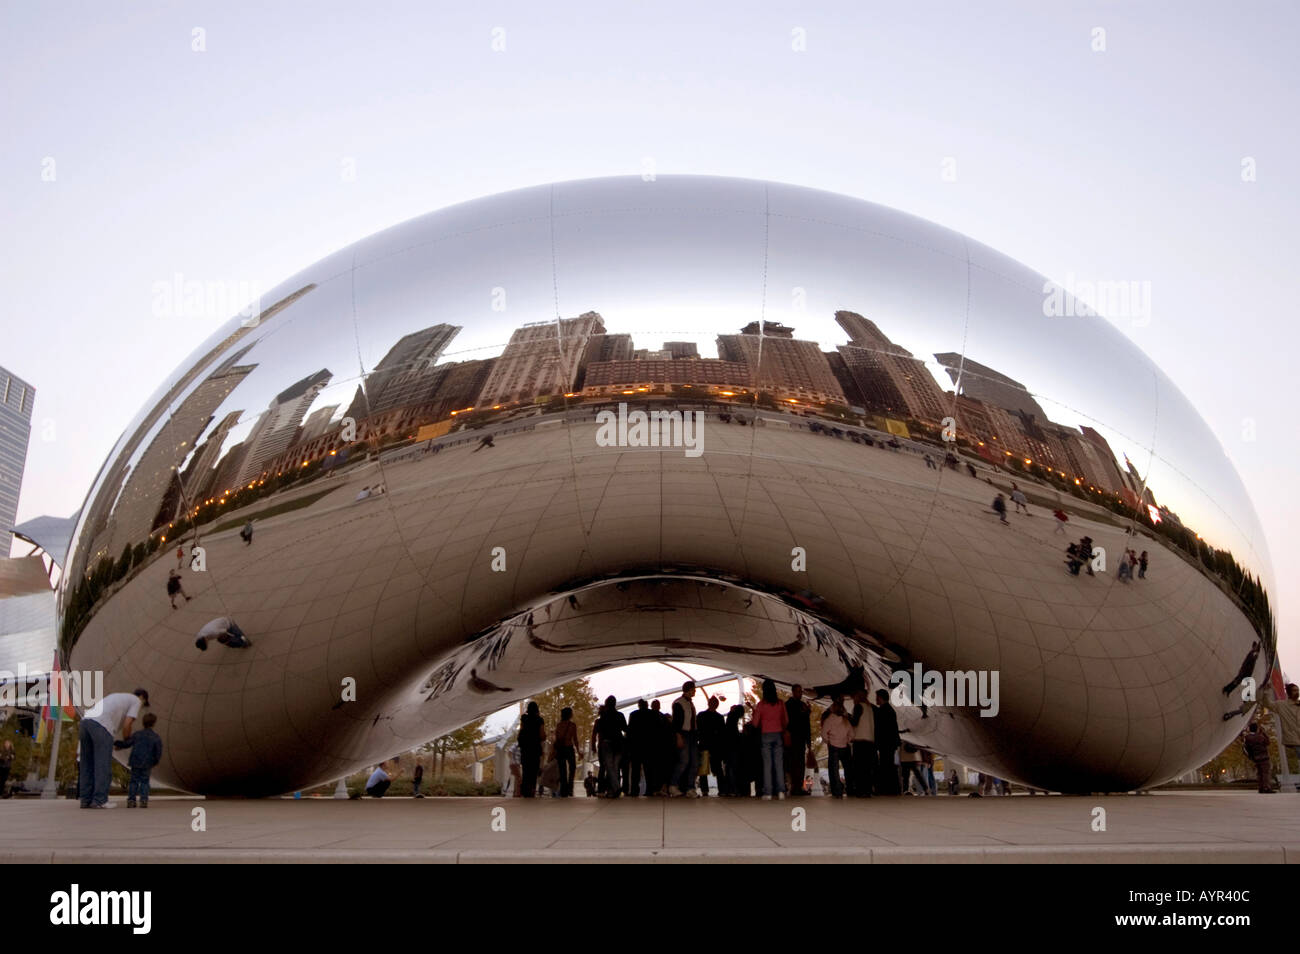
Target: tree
464, 738
580, 697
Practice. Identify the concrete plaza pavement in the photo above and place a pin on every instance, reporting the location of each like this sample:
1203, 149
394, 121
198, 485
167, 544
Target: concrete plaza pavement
1182, 827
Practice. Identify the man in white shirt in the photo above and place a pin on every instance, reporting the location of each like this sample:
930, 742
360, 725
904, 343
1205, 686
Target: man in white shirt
98, 727
224, 631
378, 782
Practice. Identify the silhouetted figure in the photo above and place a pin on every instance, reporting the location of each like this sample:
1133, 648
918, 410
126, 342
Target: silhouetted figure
729, 782
799, 716
887, 741
862, 716
484, 441
712, 725
174, 587
608, 739
1000, 507
1255, 742
1085, 554
566, 751
247, 533
640, 750
532, 733
1247, 668
1142, 566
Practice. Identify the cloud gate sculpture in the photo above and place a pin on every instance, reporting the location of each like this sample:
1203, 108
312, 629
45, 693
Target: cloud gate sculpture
737, 423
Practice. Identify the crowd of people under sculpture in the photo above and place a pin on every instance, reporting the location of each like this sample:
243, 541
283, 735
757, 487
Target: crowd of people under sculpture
769, 755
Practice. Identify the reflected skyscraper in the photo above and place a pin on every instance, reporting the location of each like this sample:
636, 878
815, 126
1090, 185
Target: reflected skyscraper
16, 398
480, 530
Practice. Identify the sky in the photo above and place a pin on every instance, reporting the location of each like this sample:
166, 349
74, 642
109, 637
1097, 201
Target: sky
235, 144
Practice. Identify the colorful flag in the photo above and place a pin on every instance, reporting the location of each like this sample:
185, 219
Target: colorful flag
60, 694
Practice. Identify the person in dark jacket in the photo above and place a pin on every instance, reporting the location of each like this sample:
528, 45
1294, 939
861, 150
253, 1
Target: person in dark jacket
711, 726
729, 780
146, 752
799, 713
1247, 668
1255, 743
640, 750
608, 739
887, 742
532, 733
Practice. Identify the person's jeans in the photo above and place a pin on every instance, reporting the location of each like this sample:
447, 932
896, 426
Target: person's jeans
1265, 775
639, 764
567, 760
96, 771
609, 765
377, 790
688, 763
864, 767
773, 751
913, 770
138, 789
928, 769
838, 757
415, 786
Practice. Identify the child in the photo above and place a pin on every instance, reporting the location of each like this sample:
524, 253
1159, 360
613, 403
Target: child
418, 779
146, 752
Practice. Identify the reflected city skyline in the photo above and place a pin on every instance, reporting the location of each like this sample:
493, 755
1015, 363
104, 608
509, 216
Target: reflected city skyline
351, 457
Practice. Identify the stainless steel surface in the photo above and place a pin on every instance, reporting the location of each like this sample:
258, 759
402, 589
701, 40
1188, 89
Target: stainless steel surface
449, 595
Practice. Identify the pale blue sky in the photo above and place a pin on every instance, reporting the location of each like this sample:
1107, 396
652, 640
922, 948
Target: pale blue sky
227, 165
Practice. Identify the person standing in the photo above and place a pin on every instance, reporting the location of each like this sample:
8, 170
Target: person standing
773, 724
837, 732
566, 749
6, 764
863, 719
247, 533
927, 770
640, 749
1019, 499
417, 780
146, 752
1142, 566
686, 734
712, 727
1255, 742
98, 727
887, 741
1288, 714
532, 733
729, 783
609, 733
799, 718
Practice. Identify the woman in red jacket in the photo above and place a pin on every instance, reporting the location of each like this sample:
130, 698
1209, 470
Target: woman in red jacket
772, 721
